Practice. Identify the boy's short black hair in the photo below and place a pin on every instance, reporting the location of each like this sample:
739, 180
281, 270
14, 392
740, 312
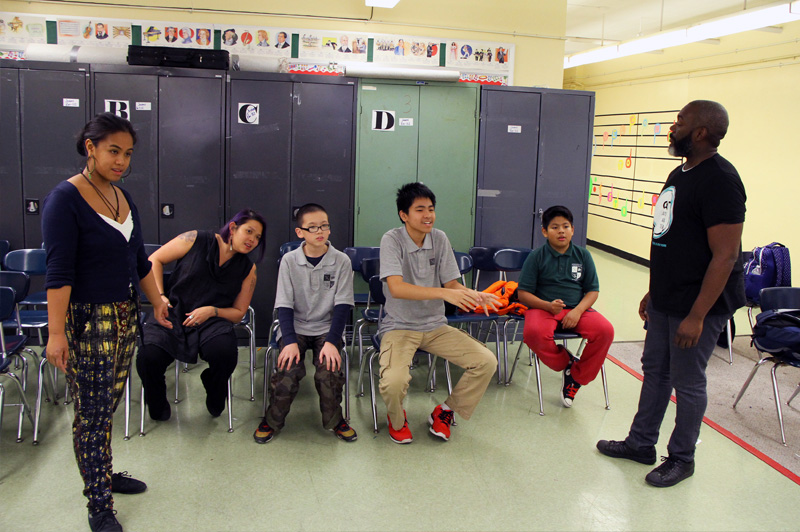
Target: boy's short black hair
307, 209
552, 212
410, 192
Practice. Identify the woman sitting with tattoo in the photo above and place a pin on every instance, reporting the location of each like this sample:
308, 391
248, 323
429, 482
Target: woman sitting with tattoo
208, 292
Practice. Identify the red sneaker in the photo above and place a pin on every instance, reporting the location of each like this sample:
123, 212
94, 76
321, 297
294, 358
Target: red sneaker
403, 435
440, 421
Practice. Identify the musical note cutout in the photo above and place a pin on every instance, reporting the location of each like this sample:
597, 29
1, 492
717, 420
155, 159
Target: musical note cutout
632, 121
610, 193
644, 124
605, 138
628, 160
620, 164
600, 195
613, 136
624, 209
623, 129
656, 131
641, 201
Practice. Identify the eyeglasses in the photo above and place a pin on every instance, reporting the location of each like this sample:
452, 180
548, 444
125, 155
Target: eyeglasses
314, 229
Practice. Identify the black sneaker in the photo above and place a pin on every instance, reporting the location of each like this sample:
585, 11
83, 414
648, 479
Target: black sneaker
670, 472
569, 387
215, 399
104, 522
124, 483
620, 449
264, 433
345, 431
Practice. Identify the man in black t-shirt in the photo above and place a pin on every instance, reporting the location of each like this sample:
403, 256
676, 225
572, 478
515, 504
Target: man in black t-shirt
696, 284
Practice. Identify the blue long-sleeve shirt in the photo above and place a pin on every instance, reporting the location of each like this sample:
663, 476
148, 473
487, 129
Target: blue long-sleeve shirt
86, 253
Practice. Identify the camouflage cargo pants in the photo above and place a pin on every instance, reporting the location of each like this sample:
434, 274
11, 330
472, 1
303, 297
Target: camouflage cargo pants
284, 384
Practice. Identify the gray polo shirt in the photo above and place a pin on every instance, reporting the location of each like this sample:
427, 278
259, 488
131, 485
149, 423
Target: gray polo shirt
313, 291
433, 265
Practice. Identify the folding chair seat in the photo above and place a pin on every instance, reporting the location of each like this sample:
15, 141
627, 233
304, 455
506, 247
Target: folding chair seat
5, 246
11, 348
784, 298
507, 260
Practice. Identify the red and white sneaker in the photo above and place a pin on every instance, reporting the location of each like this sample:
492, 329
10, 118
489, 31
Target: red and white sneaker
403, 435
440, 421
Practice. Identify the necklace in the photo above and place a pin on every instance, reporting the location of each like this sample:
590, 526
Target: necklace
114, 211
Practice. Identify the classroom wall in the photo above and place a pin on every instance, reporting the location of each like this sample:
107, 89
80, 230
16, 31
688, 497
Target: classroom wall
535, 27
755, 76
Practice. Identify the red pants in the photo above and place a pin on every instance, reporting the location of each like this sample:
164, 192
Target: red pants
598, 332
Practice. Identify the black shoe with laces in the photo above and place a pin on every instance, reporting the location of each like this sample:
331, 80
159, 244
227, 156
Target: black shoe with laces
569, 387
670, 472
620, 449
124, 483
105, 522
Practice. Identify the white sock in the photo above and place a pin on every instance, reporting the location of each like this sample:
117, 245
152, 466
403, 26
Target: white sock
445, 407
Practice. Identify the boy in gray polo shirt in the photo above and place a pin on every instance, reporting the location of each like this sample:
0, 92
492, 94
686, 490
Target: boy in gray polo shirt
314, 300
420, 272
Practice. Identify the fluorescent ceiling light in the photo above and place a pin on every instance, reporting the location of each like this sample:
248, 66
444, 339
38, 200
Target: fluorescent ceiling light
381, 3
750, 19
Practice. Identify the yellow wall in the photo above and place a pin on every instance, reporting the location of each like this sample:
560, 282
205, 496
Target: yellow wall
756, 77
535, 27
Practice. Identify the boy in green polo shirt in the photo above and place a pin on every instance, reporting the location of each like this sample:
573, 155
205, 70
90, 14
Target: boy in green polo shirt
558, 283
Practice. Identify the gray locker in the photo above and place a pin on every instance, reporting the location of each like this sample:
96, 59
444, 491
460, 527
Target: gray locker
534, 153
53, 108
298, 150
190, 152
11, 203
134, 96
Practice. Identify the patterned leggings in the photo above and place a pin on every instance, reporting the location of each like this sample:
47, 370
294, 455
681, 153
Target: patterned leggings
101, 338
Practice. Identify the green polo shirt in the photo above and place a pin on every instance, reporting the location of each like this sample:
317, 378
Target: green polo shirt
550, 275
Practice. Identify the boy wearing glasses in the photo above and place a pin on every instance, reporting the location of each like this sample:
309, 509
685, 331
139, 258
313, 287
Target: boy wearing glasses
314, 300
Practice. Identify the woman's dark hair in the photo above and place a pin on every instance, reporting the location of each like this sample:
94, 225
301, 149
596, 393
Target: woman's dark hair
243, 216
100, 127
552, 212
410, 192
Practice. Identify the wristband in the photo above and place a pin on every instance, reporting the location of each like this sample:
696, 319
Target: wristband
216, 312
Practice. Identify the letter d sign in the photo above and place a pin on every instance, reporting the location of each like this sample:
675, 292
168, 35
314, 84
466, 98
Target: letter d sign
383, 120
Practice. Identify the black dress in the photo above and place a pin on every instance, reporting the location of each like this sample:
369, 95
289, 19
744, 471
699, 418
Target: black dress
198, 280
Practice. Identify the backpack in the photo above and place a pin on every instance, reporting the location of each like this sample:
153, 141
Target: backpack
769, 266
778, 332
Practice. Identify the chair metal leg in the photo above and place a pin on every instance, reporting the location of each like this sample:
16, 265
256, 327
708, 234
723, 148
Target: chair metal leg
750, 378
730, 341
796, 391
252, 362
230, 406
361, 357
24, 407
605, 385
516, 359
141, 410
778, 399
538, 382
372, 390
2, 402
127, 407
431, 382
177, 379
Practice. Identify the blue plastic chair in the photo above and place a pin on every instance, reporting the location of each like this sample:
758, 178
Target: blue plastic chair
11, 347
782, 297
358, 254
34, 263
4, 247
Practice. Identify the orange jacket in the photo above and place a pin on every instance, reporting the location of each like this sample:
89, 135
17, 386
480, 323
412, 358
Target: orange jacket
505, 291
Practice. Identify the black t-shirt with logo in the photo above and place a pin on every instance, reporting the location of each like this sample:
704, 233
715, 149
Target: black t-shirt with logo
709, 194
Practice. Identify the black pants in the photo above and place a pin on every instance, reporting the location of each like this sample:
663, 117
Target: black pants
221, 352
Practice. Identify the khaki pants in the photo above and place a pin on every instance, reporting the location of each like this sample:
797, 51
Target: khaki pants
454, 345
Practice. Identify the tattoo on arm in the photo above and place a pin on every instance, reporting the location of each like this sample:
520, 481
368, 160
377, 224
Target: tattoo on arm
189, 236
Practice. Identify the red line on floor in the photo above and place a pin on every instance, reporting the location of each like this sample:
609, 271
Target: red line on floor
725, 432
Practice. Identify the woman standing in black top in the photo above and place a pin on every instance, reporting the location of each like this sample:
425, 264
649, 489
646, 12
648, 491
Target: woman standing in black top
95, 259
208, 292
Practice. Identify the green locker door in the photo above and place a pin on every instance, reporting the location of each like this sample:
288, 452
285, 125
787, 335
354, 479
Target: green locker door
447, 162
387, 158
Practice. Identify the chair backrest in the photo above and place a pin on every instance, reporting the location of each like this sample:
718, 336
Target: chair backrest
19, 281
357, 254
286, 247
4, 247
369, 268
376, 290
780, 297
30, 261
464, 261
510, 259
151, 248
7, 301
